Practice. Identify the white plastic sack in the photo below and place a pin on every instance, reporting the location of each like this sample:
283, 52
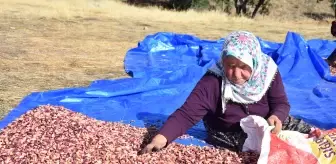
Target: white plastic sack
288, 147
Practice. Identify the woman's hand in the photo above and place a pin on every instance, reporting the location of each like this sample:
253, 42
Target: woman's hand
275, 121
158, 142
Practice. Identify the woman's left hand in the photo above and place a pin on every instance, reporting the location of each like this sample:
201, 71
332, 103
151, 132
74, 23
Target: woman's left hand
275, 121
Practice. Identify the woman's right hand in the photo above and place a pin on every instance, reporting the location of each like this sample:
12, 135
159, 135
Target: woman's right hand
158, 142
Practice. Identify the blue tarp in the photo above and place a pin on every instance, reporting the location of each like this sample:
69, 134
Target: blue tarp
166, 66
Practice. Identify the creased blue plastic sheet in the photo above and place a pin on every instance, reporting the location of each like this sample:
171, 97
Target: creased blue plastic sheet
165, 67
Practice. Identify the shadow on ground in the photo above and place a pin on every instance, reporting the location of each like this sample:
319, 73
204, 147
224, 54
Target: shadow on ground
319, 16
165, 4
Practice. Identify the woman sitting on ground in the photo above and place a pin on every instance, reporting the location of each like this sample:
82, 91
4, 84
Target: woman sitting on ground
243, 82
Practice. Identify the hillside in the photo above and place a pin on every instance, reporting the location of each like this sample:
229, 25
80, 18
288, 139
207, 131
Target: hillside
301, 9
279, 9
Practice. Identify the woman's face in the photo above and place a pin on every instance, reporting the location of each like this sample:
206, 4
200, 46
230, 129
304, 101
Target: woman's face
235, 70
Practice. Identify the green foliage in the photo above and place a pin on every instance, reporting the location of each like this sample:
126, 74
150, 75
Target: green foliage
333, 3
226, 6
200, 4
265, 8
180, 4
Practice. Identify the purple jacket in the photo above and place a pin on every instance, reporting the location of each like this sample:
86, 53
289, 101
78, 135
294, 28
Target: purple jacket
205, 103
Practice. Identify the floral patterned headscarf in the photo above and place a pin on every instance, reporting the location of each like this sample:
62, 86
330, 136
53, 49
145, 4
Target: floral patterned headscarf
245, 47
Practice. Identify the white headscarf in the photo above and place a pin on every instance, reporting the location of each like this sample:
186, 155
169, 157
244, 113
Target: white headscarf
245, 47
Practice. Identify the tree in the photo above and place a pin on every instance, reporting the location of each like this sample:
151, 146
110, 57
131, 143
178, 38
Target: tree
241, 6
180, 4
259, 4
225, 5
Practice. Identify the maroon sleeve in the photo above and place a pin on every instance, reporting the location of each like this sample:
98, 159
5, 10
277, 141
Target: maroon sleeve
277, 98
203, 99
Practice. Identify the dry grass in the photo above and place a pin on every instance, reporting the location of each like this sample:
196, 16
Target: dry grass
49, 44
301, 9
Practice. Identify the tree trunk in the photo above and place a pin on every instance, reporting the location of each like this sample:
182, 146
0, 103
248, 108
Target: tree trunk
244, 7
238, 7
241, 6
260, 3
